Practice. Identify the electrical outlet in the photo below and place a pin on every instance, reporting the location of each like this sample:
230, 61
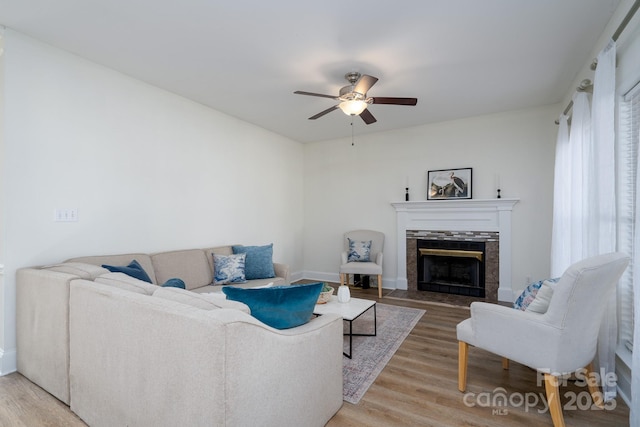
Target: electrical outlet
65, 215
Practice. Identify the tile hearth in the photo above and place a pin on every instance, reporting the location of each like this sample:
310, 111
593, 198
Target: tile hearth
438, 298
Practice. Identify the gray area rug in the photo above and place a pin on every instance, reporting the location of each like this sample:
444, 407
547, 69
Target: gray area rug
371, 354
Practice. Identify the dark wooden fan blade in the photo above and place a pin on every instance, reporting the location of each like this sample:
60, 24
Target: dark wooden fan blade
394, 101
300, 92
322, 113
367, 117
364, 83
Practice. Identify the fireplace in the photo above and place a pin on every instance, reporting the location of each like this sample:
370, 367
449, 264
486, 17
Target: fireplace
465, 263
487, 220
452, 267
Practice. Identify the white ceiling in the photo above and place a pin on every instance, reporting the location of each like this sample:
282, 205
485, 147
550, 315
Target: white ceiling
246, 57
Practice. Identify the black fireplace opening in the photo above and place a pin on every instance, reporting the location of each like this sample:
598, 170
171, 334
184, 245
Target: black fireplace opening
452, 267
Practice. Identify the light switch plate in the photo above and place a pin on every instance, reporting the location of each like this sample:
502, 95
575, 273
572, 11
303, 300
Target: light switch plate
65, 215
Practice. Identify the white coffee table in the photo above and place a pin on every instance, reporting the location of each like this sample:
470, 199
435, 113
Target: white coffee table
349, 311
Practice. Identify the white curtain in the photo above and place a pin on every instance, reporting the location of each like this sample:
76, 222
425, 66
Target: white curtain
602, 200
570, 198
561, 236
580, 143
586, 226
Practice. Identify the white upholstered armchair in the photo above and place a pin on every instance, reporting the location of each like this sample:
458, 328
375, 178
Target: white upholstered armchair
357, 259
561, 340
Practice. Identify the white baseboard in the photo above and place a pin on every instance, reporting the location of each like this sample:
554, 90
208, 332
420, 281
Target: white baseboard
335, 278
320, 276
296, 276
504, 294
8, 361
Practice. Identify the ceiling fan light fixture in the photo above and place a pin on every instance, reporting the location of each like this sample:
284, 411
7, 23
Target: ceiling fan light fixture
353, 107
352, 99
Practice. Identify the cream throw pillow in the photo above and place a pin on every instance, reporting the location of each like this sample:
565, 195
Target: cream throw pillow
541, 302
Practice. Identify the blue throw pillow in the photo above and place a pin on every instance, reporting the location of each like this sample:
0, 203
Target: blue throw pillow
134, 269
259, 261
280, 307
174, 283
228, 269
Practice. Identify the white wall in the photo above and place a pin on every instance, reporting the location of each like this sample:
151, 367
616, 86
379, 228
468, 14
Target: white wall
147, 170
628, 38
349, 187
628, 54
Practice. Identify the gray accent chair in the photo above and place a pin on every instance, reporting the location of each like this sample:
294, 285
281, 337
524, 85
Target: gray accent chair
370, 268
560, 341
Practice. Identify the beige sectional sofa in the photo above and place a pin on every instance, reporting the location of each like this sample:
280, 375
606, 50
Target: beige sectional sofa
120, 351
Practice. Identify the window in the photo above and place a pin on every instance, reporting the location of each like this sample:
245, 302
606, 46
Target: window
627, 162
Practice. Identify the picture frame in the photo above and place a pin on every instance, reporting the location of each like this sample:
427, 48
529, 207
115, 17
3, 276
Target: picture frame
448, 184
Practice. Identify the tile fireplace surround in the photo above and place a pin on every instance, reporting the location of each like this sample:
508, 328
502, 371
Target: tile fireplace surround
469, 215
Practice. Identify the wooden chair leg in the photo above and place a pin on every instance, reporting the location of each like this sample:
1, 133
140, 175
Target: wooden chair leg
341, 279
379, 285
505, 363
592, 383
553, 398
463, 357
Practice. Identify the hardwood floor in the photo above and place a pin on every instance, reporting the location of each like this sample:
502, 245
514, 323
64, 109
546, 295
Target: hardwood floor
24, 404
418, 387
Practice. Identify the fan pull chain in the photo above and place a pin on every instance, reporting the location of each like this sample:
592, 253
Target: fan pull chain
352, 144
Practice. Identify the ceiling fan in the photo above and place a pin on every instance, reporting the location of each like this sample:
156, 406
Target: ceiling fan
353, 98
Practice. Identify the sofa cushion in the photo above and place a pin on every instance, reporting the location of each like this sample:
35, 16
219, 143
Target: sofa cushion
359, 251
126, 282
202, 301
276, 281
174, 283
280, 307
220, 250
123, 259
80, 269
134, 269
228, 269
259, 261
190, 265
185, 297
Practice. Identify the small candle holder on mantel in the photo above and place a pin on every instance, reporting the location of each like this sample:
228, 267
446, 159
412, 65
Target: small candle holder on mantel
406, 194
498, 196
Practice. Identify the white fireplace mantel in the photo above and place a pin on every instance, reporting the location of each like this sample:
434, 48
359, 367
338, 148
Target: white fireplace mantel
457, 215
